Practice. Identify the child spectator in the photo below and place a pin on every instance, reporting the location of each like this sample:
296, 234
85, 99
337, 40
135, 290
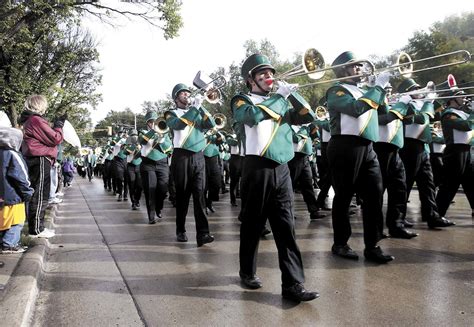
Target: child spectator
15, 189
68, 172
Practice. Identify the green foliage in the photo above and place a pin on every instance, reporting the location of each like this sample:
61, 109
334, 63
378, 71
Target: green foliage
118, 119
452, 34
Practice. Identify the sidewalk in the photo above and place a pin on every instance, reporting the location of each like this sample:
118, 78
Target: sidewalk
19, 278
107, 266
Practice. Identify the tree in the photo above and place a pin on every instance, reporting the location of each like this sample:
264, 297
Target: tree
454, 33
43, 50
118, 120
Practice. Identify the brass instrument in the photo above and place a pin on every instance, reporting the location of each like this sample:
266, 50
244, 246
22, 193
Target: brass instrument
209, 88
220, 119
312, 65
160, 126
403, 66
322, 113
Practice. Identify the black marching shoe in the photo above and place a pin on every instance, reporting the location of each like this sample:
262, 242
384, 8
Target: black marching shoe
316, 215
125, 198
265, 232
376, 254
407, 223
159, 217
440, 222
151, 221
181, 237
298, 293
134, 206
203, 239
401, 232
234, 204
211, 208
224, 191
344, 251
119, 199
252, 282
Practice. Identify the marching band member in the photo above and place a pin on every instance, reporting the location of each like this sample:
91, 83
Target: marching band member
106, 171
235, 162
415, 153
90, 161
352, 160
392, 168
266, 184
457, 122
132, 174
322, 160
188, 125
118, 166
154, 168
437, 146
213, 170
300, 169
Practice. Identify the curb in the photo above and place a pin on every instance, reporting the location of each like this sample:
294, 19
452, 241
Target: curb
18, 298
22, 289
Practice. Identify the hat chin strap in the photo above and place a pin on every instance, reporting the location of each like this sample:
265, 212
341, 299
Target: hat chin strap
262, 90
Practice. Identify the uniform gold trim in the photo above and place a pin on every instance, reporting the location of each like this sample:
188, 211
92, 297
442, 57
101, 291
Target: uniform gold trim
370, 103
399, 115
271, 139
187, 136
271, 113
366, 123
187, 122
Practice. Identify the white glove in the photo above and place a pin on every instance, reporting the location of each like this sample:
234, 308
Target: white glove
431, 96
405, 99
382, 79
198, 100
284, 89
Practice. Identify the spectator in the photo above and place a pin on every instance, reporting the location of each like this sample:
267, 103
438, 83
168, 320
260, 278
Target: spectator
68, 172
40, 149
15, 189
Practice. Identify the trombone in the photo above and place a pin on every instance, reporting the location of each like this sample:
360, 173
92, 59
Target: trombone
404, 66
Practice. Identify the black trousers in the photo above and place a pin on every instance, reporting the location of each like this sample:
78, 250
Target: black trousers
189, 174
355, 168
458, 171
418, 169
119, 166
107, 175
394, 181
213, 179
436, 160
235, 171
154, 175
90, 171
267, 194
324, 175
134, 182
39, 170
300, 172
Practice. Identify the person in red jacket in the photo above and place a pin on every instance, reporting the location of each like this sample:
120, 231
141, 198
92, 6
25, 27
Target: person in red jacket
39, 148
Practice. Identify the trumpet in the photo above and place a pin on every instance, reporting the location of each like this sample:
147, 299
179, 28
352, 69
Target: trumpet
322, 113
220, 119
160, 126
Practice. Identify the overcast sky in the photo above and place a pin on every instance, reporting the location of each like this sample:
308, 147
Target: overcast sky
139, 65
